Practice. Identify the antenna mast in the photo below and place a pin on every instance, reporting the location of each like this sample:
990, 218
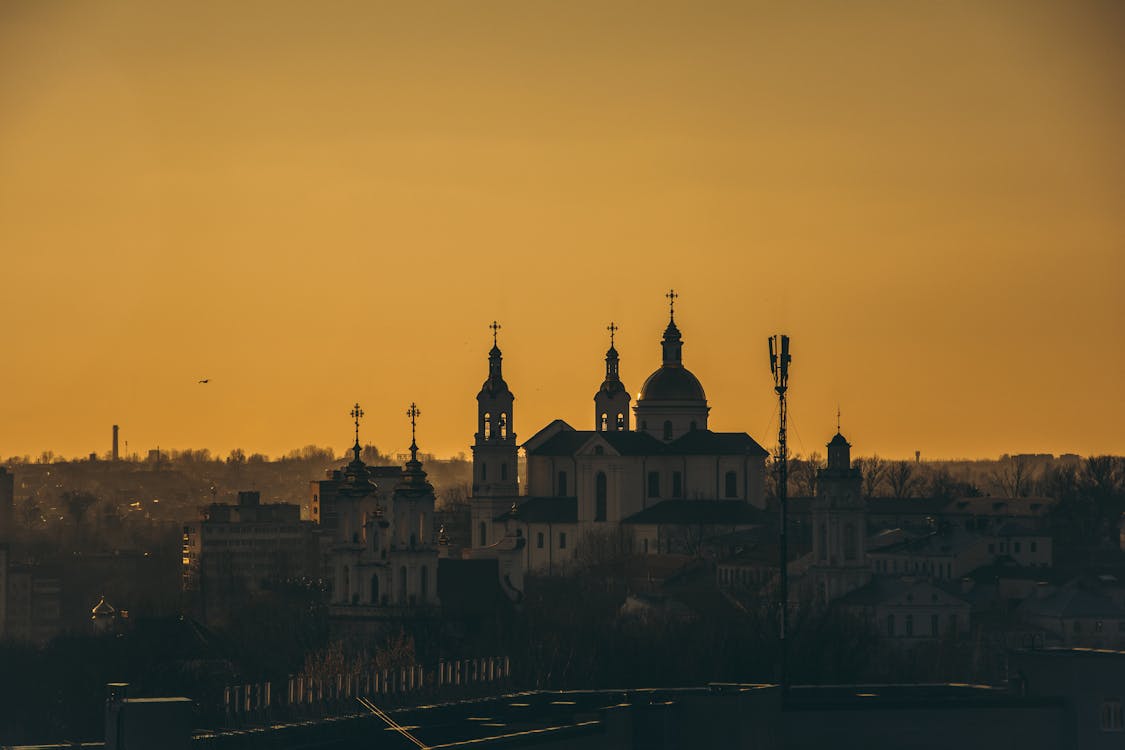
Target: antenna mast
779, 366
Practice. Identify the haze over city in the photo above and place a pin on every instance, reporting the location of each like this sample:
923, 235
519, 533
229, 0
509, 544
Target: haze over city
312, 205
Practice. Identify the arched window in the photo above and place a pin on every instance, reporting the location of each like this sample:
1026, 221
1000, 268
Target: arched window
600, 492
402, 585
503, 425
731, 484
620, 421
562, 484
487, 426
504, 471
413, 541
667, 429
849, 541
422, 528
599, 450
603, 422
483, 471
539, 540
423, 583
374, 589
483, 534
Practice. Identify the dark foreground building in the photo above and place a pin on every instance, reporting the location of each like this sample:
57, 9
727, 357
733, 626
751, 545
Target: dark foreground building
1067, 699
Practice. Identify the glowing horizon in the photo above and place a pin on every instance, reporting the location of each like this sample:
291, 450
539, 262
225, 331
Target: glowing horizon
318, 206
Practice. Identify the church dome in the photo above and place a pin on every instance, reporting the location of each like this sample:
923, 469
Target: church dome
672, 383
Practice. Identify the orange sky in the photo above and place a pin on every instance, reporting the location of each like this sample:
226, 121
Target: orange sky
318, 203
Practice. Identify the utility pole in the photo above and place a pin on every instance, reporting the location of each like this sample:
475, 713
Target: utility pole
779, 366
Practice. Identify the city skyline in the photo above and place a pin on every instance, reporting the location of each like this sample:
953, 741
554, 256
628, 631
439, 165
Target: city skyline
311, 208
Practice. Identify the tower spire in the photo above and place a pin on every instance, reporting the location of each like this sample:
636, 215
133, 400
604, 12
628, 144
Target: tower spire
495, 328
837, 419
356, 414
672, 296
612, 328
413, 413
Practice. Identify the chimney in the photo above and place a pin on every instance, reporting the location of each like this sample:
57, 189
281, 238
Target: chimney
116, 456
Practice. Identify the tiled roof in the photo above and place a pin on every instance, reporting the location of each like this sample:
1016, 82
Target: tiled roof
710, 512
707, 443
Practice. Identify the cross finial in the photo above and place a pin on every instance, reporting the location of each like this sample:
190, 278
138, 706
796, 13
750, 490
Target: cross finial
495, 327
672, 296
356, 414
413, 412
612, 328
837, 419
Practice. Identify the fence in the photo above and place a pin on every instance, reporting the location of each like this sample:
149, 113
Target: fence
308, 696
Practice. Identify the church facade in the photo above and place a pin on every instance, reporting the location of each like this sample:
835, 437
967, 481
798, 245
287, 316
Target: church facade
646, 476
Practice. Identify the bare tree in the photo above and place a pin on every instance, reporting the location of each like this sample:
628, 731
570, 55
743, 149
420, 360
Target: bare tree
874, 472
804, 472
1012, 476
901, 479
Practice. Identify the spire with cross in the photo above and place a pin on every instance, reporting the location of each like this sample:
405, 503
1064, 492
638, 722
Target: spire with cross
356, 414
672, 296
413, 412
612, 328
495, 328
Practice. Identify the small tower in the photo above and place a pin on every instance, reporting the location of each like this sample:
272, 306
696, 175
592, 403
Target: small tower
611, 402
413, 560
495, 452
839, 526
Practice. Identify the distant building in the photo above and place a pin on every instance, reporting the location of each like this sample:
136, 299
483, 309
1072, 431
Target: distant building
237, 549
908, 610
7, 504
34, 603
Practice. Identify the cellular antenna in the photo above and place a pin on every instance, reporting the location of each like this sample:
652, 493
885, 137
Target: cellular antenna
779, 367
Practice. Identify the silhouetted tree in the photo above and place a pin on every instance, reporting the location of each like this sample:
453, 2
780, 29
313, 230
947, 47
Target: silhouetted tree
803, 472
1012, 476
902, 479
874, 471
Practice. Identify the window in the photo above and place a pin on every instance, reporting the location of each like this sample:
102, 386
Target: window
424, 582
909, 625
934, 625
653, 484
1098, 626
504, 471
677, 484
891, 625
823, 534
503, 425
953, 623
1016, 547
600, 492
1111, 719
483, 471
992, 549
402, 585
562, 484
731, 484
562, 540
487, 426
1003, 546
346, 588
620, 421
646, 552
603, 422
483, 534
849, 541
539, 540
1034, 547
667, 429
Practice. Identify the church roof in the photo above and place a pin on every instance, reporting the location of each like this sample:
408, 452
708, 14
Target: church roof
710, 512
707, 443
886, 588
672, 383
633, 443
544, 510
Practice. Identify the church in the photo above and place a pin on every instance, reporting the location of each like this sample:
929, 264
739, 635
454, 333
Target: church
650, 476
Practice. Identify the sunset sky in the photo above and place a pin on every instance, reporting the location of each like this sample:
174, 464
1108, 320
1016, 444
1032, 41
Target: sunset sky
317, 203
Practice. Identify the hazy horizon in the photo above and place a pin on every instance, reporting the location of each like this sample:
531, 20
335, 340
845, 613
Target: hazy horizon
318, 205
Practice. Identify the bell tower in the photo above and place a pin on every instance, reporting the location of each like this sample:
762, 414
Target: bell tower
839, 526
495, 452
611, 402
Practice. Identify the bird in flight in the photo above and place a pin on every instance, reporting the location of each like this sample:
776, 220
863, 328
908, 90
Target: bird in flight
205, 380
